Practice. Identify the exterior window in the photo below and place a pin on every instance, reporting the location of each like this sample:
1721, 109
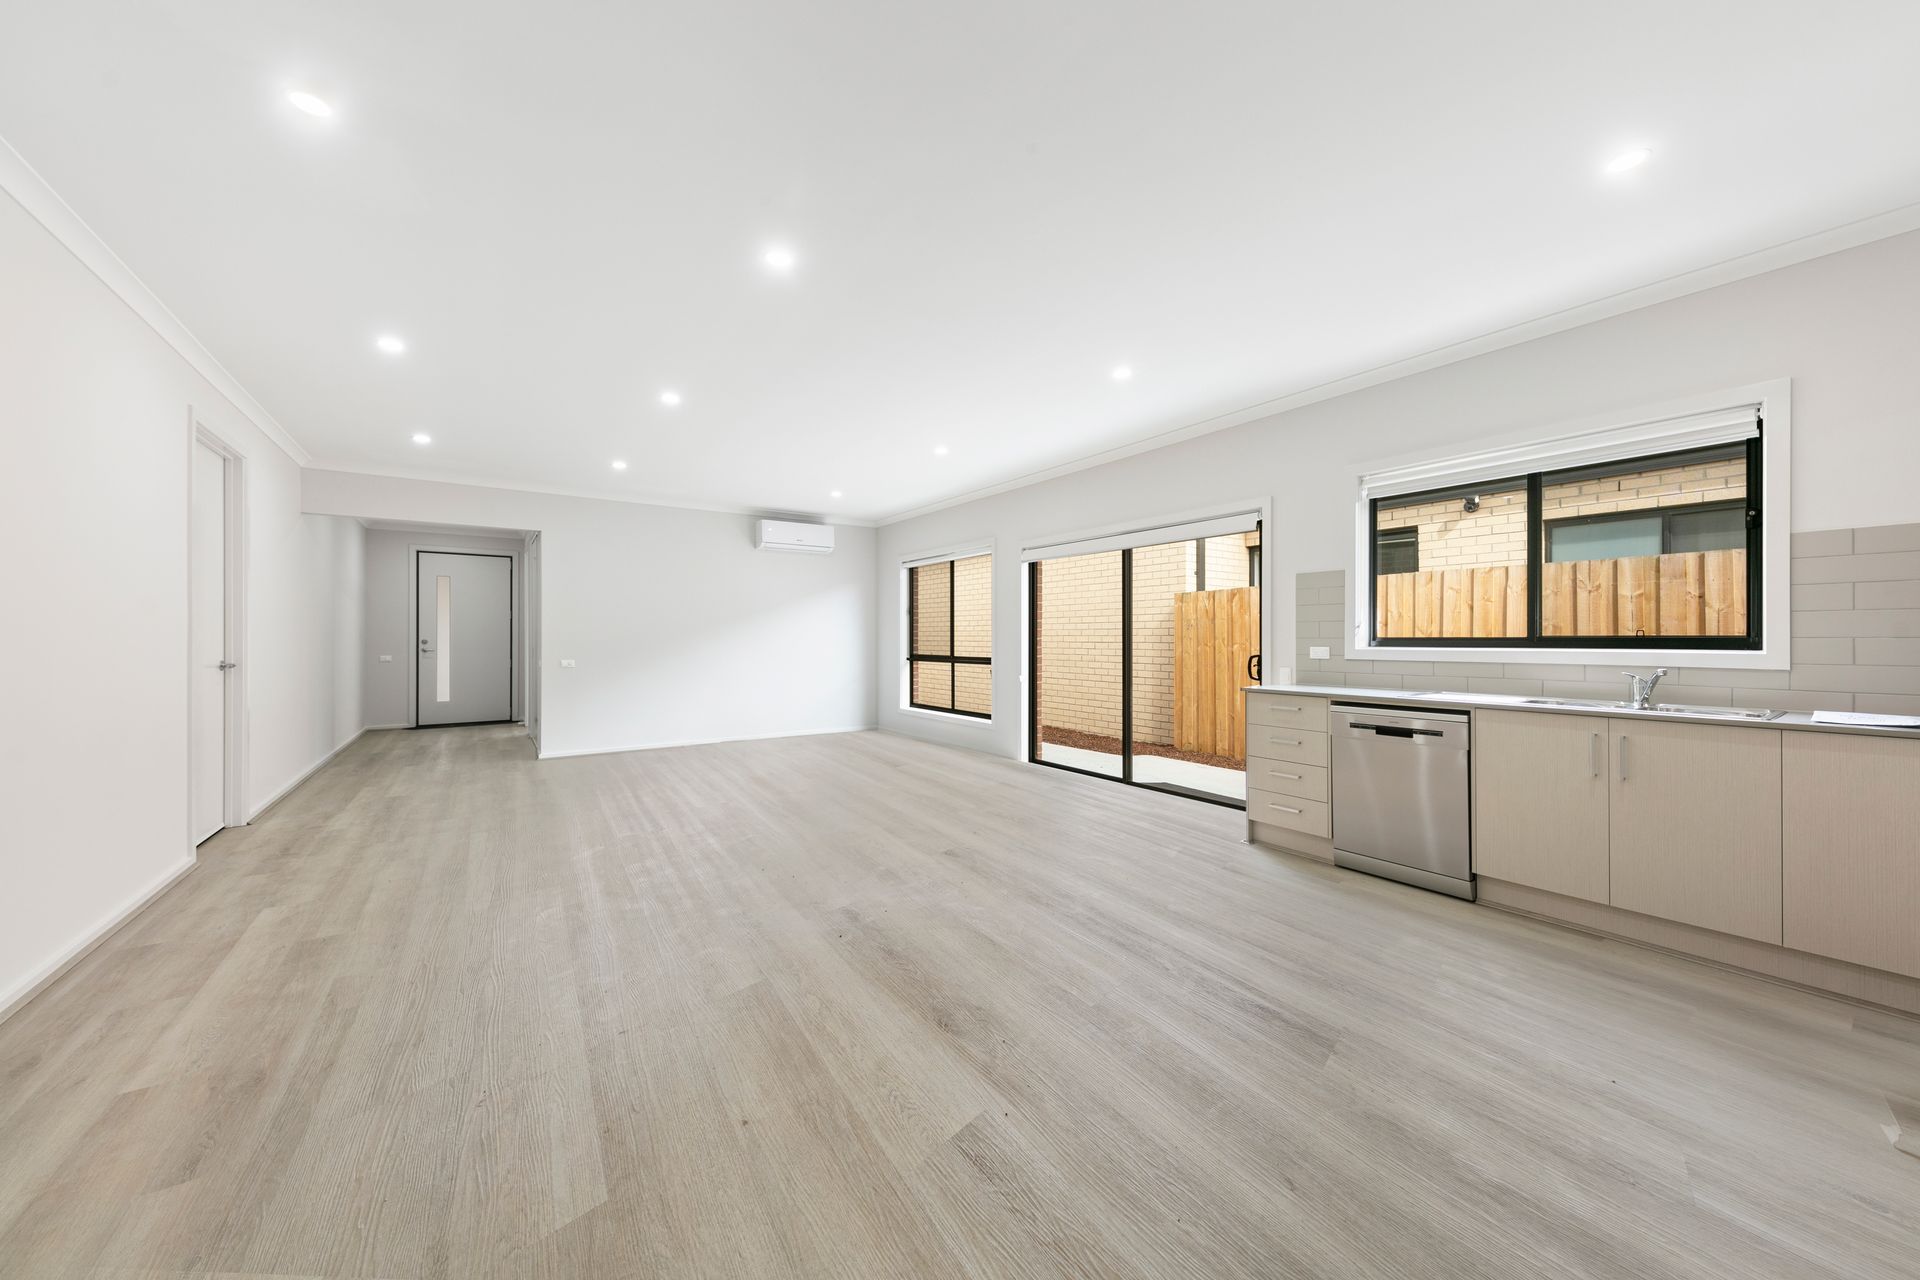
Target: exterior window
1649, 552
1397, 550
950, 636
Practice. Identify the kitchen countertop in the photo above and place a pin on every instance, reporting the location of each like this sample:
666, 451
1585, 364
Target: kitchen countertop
1451, 701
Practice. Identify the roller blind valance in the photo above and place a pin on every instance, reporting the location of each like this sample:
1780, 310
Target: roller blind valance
1184, 531
1670, 435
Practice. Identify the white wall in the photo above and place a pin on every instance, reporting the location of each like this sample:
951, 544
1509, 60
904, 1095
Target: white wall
94, 500
1844, 328
387, 697
679, 629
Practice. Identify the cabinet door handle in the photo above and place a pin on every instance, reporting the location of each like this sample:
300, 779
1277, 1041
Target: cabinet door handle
1288, 742
1284, 808
1593, 754
1623, 757
1291, 776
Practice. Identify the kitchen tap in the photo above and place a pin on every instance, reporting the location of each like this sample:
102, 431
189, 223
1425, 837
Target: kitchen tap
1640, 688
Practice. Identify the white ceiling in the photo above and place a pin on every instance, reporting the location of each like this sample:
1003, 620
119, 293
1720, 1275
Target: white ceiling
562, 207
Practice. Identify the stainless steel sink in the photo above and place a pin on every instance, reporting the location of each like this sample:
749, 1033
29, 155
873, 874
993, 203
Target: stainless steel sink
1669, 708
1724, 713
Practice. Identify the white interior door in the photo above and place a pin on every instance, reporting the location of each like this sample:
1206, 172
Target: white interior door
207, 641
464, 650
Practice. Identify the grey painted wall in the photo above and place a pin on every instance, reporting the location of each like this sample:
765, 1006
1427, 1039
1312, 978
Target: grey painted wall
1856, 640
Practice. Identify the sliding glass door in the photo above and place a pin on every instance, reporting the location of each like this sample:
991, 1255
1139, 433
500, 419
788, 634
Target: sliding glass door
1139, 658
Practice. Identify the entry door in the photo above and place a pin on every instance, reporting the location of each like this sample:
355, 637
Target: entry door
465, 642
207, 640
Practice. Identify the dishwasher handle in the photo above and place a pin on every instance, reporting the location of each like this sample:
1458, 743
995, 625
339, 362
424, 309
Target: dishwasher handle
1396, 730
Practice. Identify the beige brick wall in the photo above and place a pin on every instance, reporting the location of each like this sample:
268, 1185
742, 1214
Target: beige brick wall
1496, 534
1078, 616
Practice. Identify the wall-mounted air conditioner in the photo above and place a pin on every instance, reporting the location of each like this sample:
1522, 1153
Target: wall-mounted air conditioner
791, 535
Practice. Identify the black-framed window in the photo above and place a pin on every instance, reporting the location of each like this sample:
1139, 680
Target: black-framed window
1659, 551
950, 636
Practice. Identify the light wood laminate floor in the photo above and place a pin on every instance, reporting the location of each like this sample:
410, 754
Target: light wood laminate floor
858, 1006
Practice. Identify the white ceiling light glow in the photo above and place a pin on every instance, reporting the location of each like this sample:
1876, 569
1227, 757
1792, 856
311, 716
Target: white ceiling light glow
392, 344
939, 451
421, 437
1629, 160
836, 494
671, 399
780, 259
1123, 373
619, 464
312, 104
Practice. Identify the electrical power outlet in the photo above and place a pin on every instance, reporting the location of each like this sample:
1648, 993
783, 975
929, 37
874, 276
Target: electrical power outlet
566, 662
386, 657
1319, 651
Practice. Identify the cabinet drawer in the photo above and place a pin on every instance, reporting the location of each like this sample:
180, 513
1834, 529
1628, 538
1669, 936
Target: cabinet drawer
1306, 781
1302, 746
1285, 711
1309, 817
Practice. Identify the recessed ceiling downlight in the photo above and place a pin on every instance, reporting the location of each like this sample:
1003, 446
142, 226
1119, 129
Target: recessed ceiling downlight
619, 464
1630, 159
836, 494
1123, 373
312, 104
392, 344
421, 437
670, 398
780, 259
939, 451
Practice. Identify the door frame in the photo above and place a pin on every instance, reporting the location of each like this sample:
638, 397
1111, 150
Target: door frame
530, 588
514, 697
234, 802
1031, 723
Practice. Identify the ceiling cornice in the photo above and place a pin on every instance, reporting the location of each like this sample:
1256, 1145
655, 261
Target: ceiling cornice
32, 192
633, 499
1849, 235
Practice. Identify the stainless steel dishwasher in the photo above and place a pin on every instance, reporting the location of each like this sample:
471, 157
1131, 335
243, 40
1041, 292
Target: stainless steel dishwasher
1400, 796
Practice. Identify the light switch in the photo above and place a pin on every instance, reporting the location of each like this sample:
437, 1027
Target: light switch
566, 662
386, 657
1319, 651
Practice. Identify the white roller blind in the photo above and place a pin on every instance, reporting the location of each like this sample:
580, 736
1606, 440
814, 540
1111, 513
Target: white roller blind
1185, 531
1695, 431
941, 557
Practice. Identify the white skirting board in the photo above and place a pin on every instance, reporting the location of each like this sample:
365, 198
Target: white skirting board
32, 986
702, 742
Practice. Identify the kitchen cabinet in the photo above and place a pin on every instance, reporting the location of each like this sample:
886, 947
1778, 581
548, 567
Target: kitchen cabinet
1851, 849
1694, 816
1540, 799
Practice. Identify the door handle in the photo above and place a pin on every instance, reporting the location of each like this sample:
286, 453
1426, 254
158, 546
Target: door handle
1284, 808
1253, 669
1593, 754
1623, 757
227, 666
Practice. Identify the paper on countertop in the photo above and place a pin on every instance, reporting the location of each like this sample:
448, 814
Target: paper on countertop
1864, 718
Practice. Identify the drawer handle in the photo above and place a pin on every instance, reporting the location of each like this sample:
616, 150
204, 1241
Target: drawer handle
1284, 808
1277, 707
1291, 742
1277, 774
